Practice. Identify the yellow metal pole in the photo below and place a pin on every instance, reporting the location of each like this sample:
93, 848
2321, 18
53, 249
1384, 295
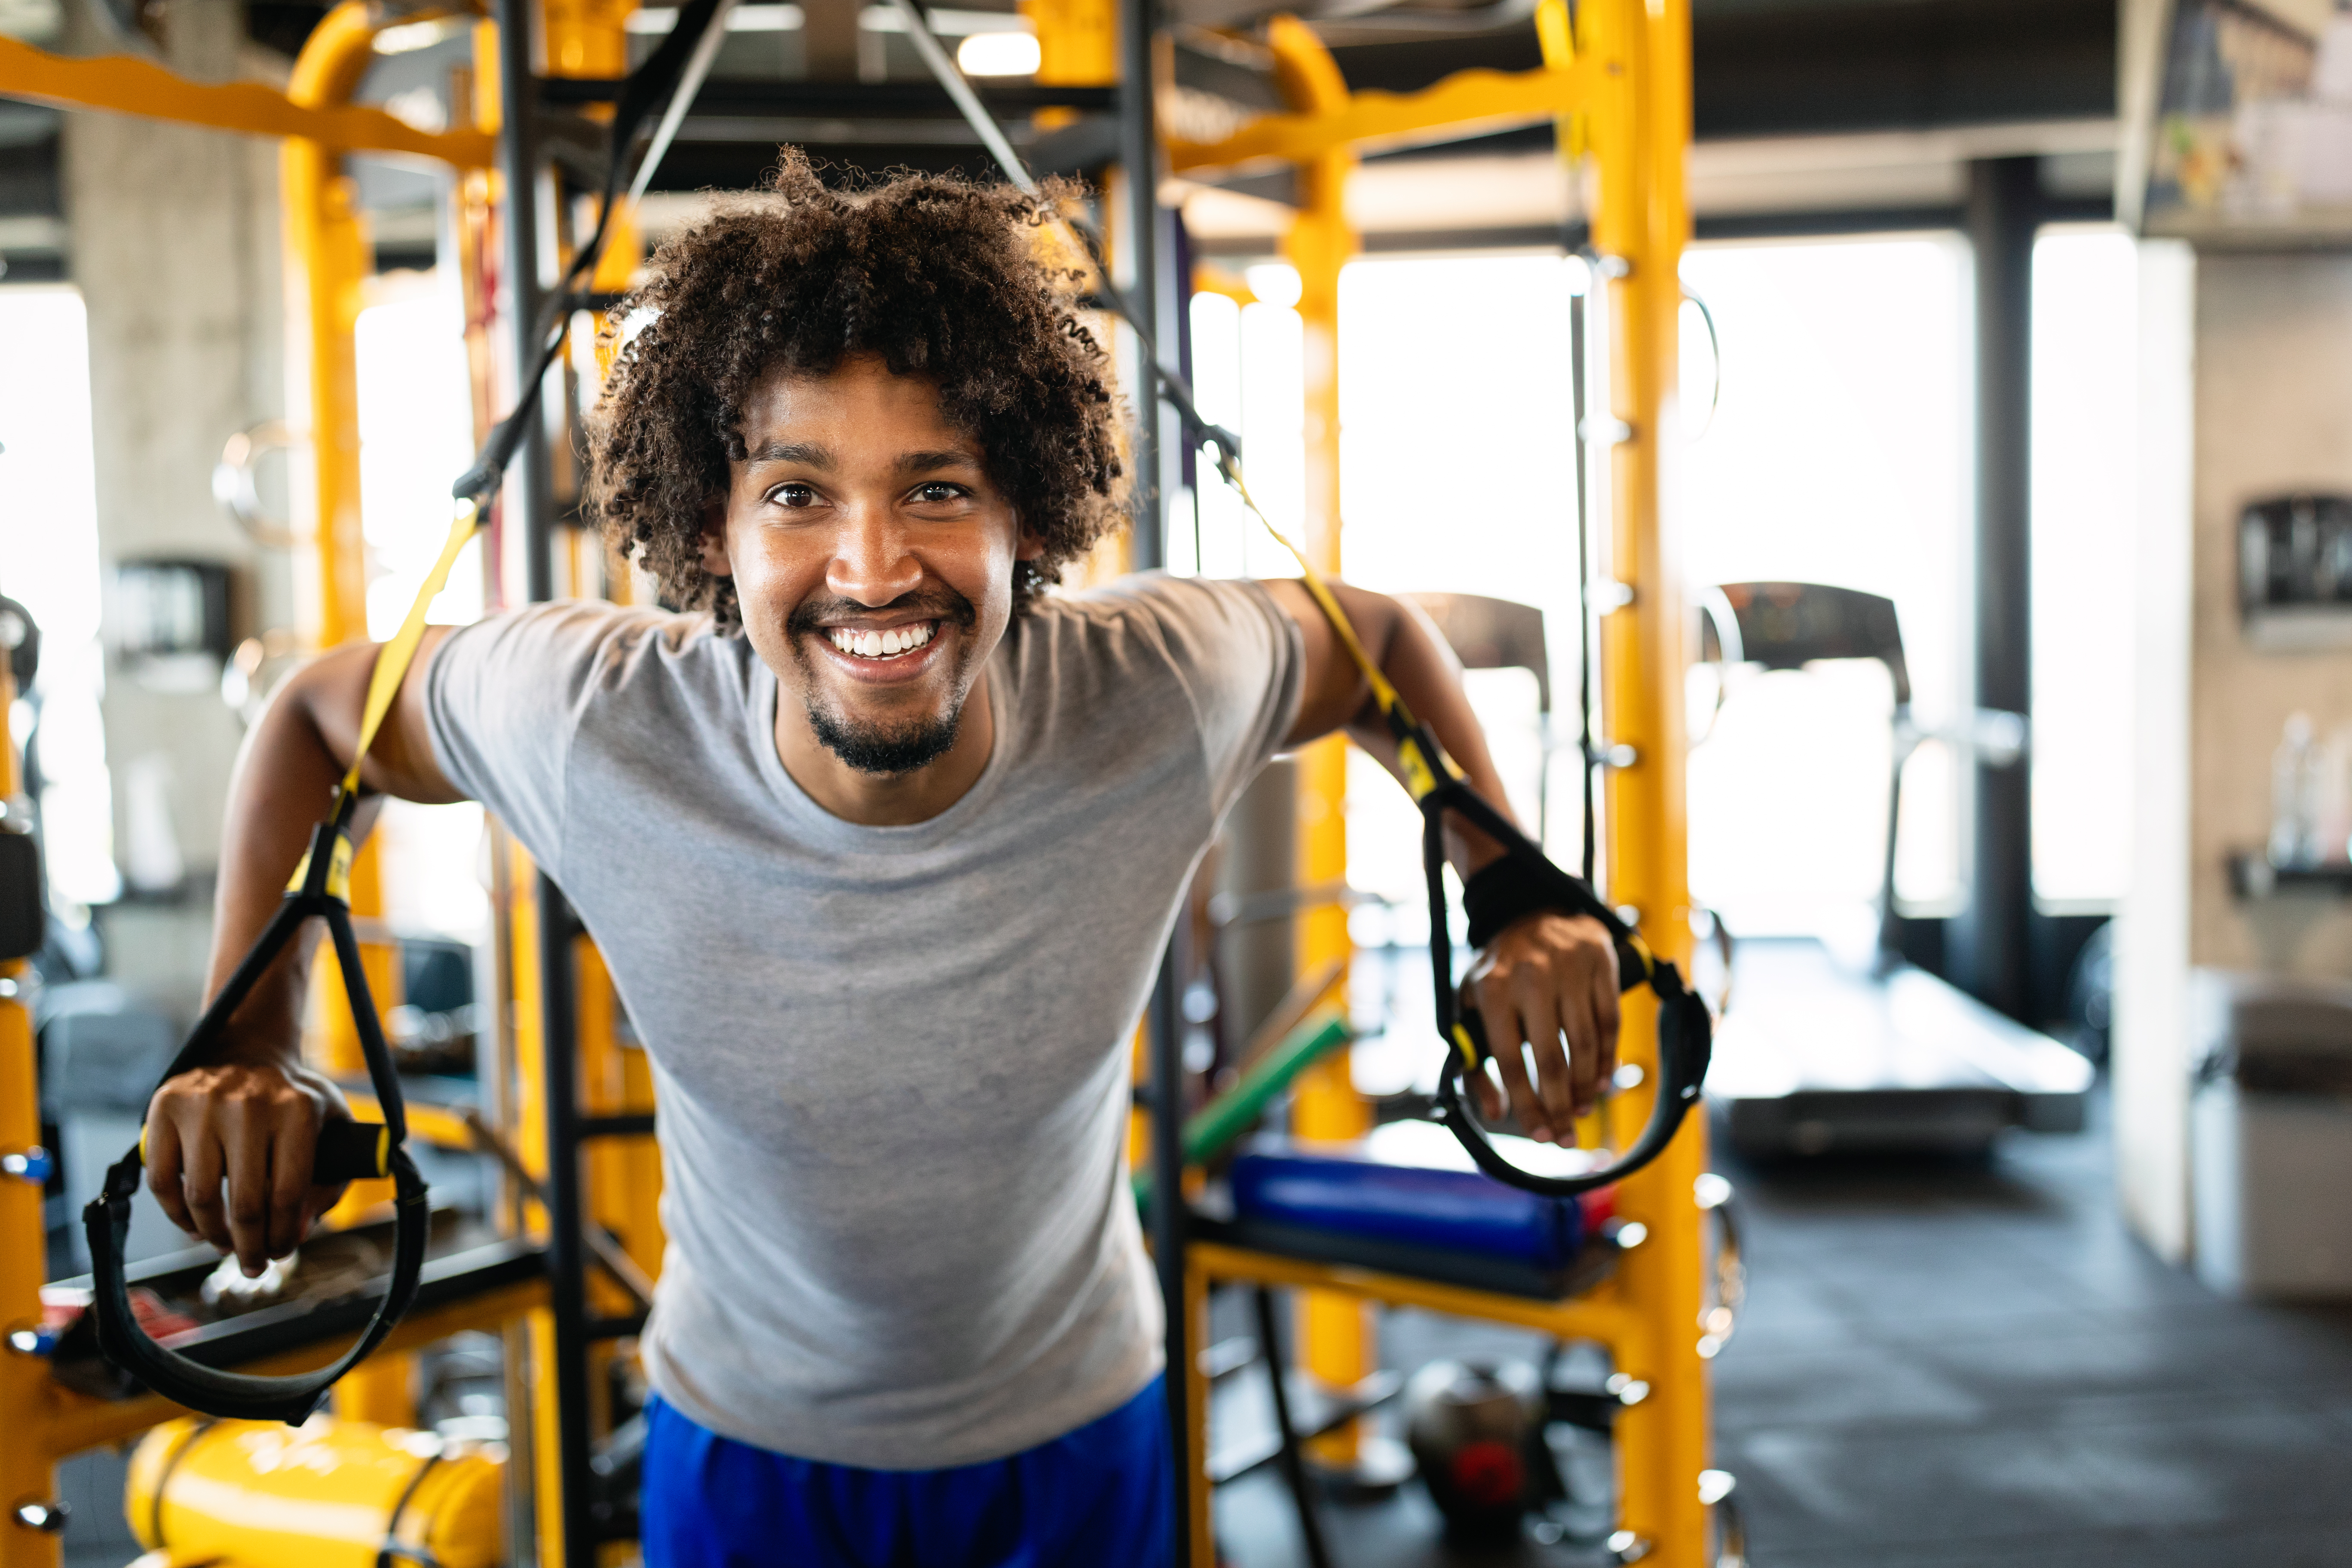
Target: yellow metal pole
1335, 1331
27, 1464
1640, 131
328, 264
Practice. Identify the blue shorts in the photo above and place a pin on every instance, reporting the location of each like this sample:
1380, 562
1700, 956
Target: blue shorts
1100, 1495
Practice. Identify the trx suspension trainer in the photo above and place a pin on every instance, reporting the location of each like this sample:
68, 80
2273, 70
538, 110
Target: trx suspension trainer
321, 888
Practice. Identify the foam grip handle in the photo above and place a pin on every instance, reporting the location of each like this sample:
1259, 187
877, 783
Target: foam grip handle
351, 1151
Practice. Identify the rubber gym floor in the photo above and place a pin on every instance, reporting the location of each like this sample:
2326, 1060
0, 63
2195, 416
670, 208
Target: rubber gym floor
1958, 1366
1941, 1366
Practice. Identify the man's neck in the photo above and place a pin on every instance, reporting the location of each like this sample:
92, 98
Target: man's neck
886, 800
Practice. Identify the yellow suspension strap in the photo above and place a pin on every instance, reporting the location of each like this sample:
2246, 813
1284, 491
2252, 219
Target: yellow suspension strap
1685, 1029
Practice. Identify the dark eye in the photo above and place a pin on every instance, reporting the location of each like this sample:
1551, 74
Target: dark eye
936, 491
793, 495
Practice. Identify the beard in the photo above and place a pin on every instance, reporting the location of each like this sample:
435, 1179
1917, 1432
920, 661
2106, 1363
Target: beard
876, 749
899, 747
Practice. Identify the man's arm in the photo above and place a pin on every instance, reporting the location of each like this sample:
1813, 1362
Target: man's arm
246, 1123
1544, 977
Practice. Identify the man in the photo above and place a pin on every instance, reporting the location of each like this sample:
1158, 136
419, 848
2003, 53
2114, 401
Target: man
881, 848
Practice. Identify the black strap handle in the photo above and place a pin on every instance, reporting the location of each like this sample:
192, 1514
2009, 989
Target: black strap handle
346, 1151
1685, 1028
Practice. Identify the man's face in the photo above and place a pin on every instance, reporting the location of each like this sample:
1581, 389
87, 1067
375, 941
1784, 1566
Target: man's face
872, 556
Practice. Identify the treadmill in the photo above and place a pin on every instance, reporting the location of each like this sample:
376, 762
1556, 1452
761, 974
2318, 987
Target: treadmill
1815, 1057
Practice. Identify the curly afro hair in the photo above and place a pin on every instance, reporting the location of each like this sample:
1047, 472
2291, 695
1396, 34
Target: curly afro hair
939, 276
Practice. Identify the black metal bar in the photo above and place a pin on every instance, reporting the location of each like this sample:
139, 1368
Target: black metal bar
637, 1125
1168, 1230
621, 1328
1138, 157
2004, 209
1292, 1457
567, 1260
836, 101
529, 477
530, 500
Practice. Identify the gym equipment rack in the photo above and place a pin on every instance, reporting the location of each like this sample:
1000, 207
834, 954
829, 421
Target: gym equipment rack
1616, 78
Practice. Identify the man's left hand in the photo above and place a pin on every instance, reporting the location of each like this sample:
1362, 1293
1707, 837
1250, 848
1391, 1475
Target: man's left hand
1544, 979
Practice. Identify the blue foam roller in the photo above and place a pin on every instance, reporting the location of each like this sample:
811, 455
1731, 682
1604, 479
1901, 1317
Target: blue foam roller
1340, 1188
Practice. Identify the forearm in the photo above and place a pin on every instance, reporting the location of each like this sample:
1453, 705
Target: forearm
283, 783
1428, 678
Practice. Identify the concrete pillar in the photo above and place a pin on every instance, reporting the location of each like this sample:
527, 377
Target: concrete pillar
174, 238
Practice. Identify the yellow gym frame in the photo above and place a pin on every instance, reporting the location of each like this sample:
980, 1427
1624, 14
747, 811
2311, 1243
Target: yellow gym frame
1617, 82
1620, 88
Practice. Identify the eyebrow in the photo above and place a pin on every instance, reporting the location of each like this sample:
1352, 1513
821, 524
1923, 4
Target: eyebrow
930, 462
807, 452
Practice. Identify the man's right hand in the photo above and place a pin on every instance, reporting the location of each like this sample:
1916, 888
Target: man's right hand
228, 1155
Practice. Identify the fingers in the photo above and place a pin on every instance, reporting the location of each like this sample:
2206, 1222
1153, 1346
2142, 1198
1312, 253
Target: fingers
1490, 1099
247, 1150
164, 1165
1506, 1034
291, 1151
202, 1170
1604, 1018
229, 1157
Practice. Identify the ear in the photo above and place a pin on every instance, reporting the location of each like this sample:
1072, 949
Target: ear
715, 559
1028, 546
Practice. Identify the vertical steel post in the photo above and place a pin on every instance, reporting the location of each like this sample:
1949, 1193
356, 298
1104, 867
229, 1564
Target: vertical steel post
1991, 956
529, 489
1640, 131
528, 501
1139, 158
1139, 149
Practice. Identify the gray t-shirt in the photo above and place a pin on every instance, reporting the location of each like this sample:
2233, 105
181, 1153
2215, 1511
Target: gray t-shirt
892, 1063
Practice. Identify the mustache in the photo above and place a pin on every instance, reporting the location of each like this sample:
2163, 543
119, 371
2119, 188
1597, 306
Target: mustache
941, 604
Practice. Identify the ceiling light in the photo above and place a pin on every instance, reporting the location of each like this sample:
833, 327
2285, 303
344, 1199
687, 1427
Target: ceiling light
998, 54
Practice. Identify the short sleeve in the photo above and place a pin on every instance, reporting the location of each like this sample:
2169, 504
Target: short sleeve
1241, 658
503, 699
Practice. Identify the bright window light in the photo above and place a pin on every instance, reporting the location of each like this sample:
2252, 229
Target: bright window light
49, 489
416, 435
1274, 283
998, 54
1839, 455
2086, 331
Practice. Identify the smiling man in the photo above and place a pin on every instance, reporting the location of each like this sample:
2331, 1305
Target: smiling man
881, 840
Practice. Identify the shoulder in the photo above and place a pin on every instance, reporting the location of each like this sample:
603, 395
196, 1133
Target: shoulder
568, 654
1179, 620
1154, 648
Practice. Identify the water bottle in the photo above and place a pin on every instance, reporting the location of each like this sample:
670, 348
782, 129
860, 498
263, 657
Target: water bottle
2294, 829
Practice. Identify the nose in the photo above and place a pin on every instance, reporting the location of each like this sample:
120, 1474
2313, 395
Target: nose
872, 563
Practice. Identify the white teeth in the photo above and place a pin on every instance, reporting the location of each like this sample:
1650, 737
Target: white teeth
884, 644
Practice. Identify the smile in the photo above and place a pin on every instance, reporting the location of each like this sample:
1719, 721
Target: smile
893, 643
